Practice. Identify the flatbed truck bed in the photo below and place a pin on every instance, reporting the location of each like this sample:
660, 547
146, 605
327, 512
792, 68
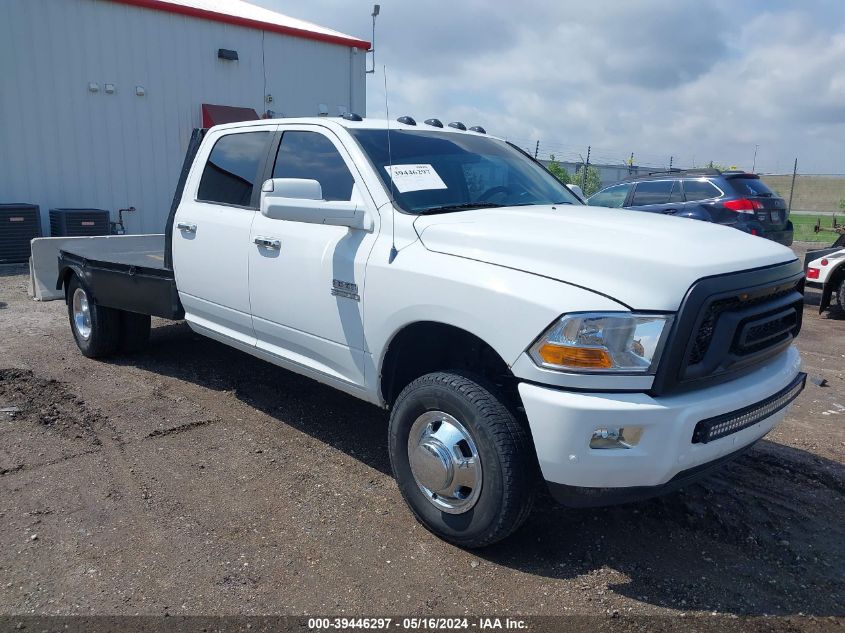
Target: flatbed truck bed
131, 277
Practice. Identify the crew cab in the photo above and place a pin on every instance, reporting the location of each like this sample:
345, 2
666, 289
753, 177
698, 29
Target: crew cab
514, 333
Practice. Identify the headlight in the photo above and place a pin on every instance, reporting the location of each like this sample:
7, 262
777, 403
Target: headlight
603, 342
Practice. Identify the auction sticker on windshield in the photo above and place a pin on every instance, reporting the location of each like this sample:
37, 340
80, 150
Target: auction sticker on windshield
414, 177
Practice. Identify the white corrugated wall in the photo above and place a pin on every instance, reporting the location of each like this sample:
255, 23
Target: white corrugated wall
64, 146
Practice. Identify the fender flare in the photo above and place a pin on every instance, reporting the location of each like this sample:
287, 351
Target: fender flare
64, 269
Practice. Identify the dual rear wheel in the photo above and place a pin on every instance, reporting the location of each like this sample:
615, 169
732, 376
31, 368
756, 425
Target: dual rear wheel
101, 331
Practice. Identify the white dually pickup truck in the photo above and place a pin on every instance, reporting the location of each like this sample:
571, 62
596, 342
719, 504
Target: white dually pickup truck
514, 333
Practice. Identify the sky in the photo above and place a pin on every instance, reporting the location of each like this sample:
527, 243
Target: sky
696, 81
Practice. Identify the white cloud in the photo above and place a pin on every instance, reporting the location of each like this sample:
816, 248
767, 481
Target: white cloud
698, 81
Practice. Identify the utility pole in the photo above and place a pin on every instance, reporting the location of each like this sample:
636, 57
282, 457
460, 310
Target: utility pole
586, 167
536, 149
671, 158
374, 15
792, 188
754, 163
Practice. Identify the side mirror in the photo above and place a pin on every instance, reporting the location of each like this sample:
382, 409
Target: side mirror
301, 200
577, 191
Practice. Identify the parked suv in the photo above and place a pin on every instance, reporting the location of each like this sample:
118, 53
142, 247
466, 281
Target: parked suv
732, 198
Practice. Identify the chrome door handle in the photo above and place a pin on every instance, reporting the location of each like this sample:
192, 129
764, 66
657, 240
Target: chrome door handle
268, 242
188, 228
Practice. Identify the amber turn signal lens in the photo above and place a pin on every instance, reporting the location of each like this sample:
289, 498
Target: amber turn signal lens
582, 357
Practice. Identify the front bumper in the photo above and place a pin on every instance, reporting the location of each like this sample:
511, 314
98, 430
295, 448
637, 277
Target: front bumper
563, 422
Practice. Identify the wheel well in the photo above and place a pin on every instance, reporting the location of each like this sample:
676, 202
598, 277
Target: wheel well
425, 347
836, 278
837, 275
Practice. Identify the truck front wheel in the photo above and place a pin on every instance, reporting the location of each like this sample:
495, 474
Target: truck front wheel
96, 329
463, 462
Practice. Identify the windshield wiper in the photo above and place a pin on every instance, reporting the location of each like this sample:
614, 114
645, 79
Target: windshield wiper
447, 208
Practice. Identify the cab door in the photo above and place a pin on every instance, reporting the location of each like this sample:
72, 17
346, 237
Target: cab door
306, 281
211, 232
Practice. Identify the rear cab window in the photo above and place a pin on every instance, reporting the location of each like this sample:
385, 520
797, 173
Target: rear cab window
231, 171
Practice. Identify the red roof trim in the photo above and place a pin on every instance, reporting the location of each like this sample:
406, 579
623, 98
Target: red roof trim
159, 5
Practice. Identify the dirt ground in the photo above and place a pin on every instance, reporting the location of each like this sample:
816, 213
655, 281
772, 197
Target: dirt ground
194, 479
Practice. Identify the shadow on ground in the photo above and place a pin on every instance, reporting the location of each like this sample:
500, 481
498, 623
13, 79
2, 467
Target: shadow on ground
761, 536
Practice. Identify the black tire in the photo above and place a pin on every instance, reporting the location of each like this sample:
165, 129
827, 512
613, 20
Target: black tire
104, 337
504, 447
134, 331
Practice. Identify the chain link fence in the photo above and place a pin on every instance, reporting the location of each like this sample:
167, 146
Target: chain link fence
817, 199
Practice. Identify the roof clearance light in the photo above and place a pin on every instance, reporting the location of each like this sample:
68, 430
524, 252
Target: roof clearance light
458, 125
406, 120
478, 128
434, 122
351, 116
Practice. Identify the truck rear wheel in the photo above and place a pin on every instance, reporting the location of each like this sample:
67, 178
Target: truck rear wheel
463, 462
96, 329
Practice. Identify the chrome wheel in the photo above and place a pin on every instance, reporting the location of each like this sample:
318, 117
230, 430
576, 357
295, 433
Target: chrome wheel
445, 462
81, 314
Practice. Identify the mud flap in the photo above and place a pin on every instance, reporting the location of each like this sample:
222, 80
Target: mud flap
826, 294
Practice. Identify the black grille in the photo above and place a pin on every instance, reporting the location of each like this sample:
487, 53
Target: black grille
79, 222
701, 343
768, 330
19, 223
727, 325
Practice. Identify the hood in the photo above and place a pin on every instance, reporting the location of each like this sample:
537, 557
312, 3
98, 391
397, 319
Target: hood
644, 260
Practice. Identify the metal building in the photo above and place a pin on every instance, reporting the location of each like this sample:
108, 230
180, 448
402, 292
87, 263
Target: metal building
98, 98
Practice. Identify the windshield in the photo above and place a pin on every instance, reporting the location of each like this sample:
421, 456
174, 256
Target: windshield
439, 172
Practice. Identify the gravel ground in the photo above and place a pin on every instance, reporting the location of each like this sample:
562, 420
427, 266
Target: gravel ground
194, 479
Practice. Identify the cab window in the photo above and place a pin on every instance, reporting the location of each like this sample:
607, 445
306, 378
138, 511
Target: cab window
232, 168
313, 156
